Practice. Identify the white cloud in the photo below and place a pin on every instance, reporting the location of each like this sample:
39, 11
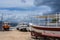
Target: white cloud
16, 3
20, 15
17, 15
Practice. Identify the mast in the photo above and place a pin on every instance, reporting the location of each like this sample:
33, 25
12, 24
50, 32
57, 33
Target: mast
1, 21
2, 17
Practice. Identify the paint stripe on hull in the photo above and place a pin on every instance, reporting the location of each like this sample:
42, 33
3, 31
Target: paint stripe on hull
46, 32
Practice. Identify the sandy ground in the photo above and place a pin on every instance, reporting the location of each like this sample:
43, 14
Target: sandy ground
14, 35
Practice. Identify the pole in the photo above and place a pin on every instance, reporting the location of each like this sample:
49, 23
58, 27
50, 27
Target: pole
46, 21
56, 19
1, 28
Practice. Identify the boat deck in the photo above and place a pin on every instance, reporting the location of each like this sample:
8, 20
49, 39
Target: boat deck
47, 26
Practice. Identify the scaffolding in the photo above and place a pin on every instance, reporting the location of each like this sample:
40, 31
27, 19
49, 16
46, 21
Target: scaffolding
47, 20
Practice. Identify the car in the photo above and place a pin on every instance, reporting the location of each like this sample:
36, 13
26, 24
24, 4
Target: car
23, 27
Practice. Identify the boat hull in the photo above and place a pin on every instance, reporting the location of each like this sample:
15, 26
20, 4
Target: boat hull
39, 31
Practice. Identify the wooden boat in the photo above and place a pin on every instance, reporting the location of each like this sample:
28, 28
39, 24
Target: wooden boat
49, 30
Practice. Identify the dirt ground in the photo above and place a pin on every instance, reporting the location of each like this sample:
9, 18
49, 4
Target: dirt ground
14, 35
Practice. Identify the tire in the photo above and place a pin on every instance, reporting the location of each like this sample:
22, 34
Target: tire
24, 29
17, 28
21, 29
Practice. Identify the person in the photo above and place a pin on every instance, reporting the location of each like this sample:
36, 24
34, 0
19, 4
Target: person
6, 27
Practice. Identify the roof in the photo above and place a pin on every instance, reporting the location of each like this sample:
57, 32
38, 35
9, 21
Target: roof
49, 16
51, 13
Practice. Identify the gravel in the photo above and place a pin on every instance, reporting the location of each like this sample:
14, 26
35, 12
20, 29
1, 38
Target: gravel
14, 35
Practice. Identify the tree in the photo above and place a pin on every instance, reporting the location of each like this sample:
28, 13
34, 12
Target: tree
54, 20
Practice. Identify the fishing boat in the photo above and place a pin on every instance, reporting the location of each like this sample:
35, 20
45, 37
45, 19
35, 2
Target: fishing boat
48, 29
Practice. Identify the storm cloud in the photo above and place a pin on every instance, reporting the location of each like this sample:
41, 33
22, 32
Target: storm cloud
53, 4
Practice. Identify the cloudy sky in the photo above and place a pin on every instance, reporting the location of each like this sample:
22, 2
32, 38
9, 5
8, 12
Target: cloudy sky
20, 9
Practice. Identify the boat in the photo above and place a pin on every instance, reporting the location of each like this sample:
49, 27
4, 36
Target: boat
50, 29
